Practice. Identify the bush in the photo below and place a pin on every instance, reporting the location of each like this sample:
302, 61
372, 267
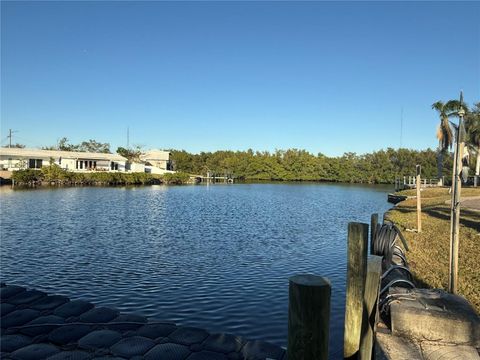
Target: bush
27, 176
175, 178
55, 174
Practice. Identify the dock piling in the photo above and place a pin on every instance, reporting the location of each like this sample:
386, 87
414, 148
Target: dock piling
356, 275
308, 317
370, 311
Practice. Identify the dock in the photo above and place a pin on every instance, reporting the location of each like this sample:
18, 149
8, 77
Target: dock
212, 178
36, 325
410, 182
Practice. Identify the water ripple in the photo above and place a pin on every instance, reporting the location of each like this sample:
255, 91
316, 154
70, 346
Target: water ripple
217, 257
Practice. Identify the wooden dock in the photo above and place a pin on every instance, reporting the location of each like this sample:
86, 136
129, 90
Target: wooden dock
410, 182
212, 178
35, 325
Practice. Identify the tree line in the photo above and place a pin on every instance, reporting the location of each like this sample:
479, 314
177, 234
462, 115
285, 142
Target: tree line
379, 167
376, 167
85, 146
299, 165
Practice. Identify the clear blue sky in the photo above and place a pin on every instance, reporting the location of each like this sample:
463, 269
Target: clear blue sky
203, 76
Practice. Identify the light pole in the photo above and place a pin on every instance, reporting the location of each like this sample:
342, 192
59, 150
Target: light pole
455, 205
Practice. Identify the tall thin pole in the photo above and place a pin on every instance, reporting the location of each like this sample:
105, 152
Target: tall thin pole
128, 137
10, 132
419, 199
401, 128
455, 205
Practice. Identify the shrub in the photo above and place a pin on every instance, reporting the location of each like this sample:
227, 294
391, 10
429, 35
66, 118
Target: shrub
175, 178
27, 176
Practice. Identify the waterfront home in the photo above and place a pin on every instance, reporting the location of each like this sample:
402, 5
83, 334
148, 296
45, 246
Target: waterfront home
157, 161
17, 158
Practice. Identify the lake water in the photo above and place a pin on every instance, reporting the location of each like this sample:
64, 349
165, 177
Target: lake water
218, 256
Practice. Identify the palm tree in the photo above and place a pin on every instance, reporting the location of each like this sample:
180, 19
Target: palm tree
444, 130
472, 125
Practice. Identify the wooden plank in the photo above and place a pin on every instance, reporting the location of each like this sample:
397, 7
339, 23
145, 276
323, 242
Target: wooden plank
308, 317
370, 312
356, 274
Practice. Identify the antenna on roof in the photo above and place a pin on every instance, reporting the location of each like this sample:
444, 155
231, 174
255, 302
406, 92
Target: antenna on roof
128, 137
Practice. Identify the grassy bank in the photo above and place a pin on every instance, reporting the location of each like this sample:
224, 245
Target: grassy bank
54, 175
429, 251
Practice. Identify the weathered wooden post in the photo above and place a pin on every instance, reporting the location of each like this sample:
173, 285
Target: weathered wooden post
308, 317
356, 274
370, 311
455, 204
373, 230
419, 200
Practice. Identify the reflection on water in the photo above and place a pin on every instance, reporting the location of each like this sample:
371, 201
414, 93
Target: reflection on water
218, 257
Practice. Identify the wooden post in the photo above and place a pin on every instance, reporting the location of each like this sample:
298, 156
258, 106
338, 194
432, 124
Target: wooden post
370, 312
419, 200
356, 274
308, 317
455, 219
455, 205
373, 230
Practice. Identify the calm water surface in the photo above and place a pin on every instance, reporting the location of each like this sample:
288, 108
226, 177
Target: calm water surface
217, 256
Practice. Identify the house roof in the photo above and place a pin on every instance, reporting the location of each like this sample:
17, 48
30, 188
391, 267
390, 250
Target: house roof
155, 155
39, 153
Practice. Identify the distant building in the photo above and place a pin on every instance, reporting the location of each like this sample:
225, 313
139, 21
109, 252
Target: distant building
157, 161
18, 158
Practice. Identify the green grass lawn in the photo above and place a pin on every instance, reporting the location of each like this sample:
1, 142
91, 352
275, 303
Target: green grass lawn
429, 251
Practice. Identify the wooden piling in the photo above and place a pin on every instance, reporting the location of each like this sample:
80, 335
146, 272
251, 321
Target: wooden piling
370, 311
373, 230
308, 317
356, 274
419, 200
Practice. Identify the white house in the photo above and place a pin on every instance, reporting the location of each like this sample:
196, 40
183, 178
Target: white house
157, 161
17, 158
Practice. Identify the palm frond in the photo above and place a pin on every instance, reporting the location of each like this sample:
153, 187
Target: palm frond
439, 106
453, 106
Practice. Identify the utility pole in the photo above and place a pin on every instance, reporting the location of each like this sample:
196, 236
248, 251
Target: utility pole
10, 132
455, 205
